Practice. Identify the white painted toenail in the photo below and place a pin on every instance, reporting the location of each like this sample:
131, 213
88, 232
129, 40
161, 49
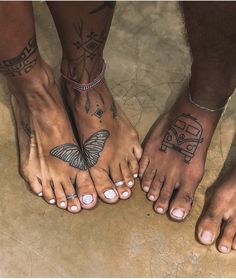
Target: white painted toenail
119, 183
178, 213
52, 201
224, 249
206, 237
140, 175
87, 199
125, 194
130, 183
40, 194
151, 198
135, 175
160, 210
63, 204
110, 194
146, 188
73, 208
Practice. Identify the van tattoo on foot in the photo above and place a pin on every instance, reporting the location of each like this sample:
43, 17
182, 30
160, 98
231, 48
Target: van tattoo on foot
183, 136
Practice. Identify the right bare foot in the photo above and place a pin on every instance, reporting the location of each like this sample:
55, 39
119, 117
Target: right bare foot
222, 209
43, 126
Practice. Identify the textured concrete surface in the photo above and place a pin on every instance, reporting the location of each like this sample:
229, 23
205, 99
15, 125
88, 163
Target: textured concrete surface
148, 62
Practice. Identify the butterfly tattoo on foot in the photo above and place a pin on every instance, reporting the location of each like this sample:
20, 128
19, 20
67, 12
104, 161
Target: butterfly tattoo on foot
85, 157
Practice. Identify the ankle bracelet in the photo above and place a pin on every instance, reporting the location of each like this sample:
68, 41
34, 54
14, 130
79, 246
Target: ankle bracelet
86, 86
205, 108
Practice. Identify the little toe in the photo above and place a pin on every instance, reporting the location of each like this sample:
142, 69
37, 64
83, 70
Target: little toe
60, 195
36, 187
134, 167
155, 188
104, 186
209, 226
234, 243
86, 190
138, 151
163, 200
226, 240
127, 175
48, 192
143, 164
182, 203
73, 204
147, 178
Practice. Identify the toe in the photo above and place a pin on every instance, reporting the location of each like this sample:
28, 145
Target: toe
162, 202
155, 188
86, 190
127, 175
124, 192
104, 186
234, 243
147, 178
182, 203
138, 151
133, 166
73, 204
209, 225
226, 240
48, 192
143, 164
60, 195
116, 175
36, 186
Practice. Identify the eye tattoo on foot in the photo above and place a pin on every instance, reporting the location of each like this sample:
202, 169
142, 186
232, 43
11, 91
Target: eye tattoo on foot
22, 63
184, 135
87, 156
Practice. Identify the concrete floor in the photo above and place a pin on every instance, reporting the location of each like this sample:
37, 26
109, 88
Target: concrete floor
148, 62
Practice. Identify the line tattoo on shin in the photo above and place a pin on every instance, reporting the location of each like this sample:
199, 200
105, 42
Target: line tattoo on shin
183, 135
22, 63
85, 157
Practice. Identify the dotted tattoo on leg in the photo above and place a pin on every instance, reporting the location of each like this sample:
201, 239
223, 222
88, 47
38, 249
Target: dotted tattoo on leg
184, 135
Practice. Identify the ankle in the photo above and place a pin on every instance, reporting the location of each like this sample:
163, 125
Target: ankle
81, 71
212, 82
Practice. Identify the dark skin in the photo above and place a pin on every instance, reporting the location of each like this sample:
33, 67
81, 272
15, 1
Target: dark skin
43, 125
175, 148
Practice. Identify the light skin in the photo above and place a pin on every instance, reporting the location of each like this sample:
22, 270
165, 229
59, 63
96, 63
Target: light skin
43, 125
175, 148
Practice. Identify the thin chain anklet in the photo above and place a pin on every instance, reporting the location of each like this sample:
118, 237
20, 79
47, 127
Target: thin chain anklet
86, 86
205, 108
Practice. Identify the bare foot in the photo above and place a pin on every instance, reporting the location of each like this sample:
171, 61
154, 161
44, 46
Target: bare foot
174, 156
114, 148
42, 127
222, 209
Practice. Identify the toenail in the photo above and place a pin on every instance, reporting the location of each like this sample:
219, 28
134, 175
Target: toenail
151, 198
87, 199
52, 201
146, 188
73, 208
140, 175
110, 194
125, 194
63, 204
223, 249
178, 213
119, 183
135, 175
206, 237
160, 210
130, 183
40, 194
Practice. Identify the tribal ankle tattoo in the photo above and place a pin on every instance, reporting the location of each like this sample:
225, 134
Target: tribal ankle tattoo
22, 63
183, 136
87, 156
